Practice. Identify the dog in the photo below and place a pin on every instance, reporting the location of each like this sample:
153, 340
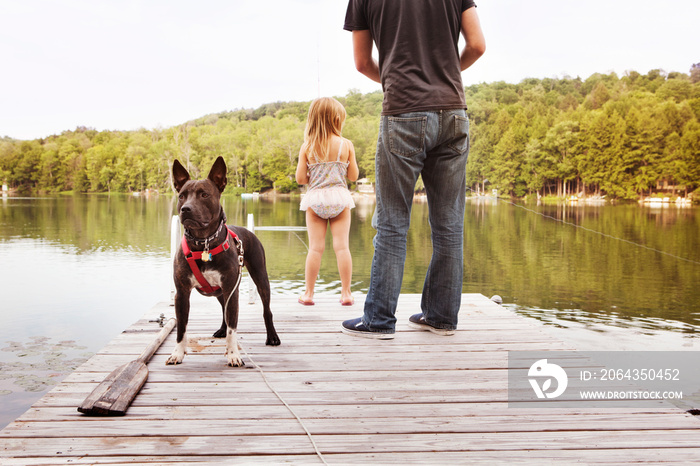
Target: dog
211, 260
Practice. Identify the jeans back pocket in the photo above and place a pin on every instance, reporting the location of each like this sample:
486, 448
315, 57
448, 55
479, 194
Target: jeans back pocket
407, 135
460, 134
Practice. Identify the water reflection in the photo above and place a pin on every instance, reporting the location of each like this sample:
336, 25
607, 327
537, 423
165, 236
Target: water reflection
609, 332
598, 321
603, 258
629, 261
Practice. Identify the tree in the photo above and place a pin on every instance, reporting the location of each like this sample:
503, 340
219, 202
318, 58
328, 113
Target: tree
561, 146
695, 73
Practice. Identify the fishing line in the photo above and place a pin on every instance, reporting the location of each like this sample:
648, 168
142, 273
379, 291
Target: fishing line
597, 232
302, 241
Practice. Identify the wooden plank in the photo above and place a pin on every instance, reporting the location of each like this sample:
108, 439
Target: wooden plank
597, 457
278, 360
334, 343
336, 411
116, 427
339, 397
311, 385
436, 377
241, 445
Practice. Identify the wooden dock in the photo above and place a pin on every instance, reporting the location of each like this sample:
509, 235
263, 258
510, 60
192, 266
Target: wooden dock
420, 398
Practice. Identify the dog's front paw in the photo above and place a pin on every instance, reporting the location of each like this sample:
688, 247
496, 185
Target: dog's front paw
273, 340
233, 356
176, 357
234, 359
173, 360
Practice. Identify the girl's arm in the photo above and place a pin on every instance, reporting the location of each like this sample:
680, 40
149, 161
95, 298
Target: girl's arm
302, 169
353, 171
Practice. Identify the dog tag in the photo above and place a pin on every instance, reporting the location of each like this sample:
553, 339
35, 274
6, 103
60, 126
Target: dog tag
206, 256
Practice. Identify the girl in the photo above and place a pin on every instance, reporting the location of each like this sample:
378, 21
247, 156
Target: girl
325, 160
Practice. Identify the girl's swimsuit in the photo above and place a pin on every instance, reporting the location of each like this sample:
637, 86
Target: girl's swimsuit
328, 193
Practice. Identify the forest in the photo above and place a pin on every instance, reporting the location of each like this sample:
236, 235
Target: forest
620, 137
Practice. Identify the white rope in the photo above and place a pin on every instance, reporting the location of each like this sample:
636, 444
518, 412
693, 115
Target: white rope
239, 248
240, 273
279, 397
262, 374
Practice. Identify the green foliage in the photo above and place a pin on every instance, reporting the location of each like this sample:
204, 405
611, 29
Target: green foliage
619, 137
285, 185
616, 136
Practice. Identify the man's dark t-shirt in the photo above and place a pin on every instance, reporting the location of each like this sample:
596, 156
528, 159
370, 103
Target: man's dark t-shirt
418, 50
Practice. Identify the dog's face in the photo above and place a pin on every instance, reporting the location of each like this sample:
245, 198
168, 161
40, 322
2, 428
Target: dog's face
198, 200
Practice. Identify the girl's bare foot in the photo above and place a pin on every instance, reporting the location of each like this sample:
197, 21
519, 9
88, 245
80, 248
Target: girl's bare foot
306, 300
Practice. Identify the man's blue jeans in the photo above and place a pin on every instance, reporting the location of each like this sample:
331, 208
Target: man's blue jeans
434, 145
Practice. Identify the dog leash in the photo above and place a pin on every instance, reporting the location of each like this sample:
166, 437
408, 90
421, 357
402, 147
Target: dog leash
239, 245
195, 270
262, 373
289, 408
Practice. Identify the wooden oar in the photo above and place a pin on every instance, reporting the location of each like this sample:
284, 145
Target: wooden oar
116, 392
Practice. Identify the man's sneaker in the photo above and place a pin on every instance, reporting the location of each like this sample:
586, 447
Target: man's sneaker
356, 328
418, 321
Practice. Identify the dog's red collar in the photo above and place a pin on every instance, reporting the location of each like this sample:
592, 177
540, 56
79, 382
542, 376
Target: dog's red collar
192, 256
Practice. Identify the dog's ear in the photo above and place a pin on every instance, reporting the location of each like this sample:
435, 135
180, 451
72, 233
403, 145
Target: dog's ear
217, 174
180, 175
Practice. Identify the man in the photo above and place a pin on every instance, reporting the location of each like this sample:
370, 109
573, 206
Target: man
424, 131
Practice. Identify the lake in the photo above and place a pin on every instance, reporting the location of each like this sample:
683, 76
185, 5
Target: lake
77, 270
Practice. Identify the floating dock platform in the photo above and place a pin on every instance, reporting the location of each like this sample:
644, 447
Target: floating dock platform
418, 399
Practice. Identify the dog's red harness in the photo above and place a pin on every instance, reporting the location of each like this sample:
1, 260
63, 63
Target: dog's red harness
192, 256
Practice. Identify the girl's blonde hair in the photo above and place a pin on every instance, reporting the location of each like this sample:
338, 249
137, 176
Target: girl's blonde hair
326, 118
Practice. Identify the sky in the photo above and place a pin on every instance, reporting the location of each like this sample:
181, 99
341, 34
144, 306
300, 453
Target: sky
130, 64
